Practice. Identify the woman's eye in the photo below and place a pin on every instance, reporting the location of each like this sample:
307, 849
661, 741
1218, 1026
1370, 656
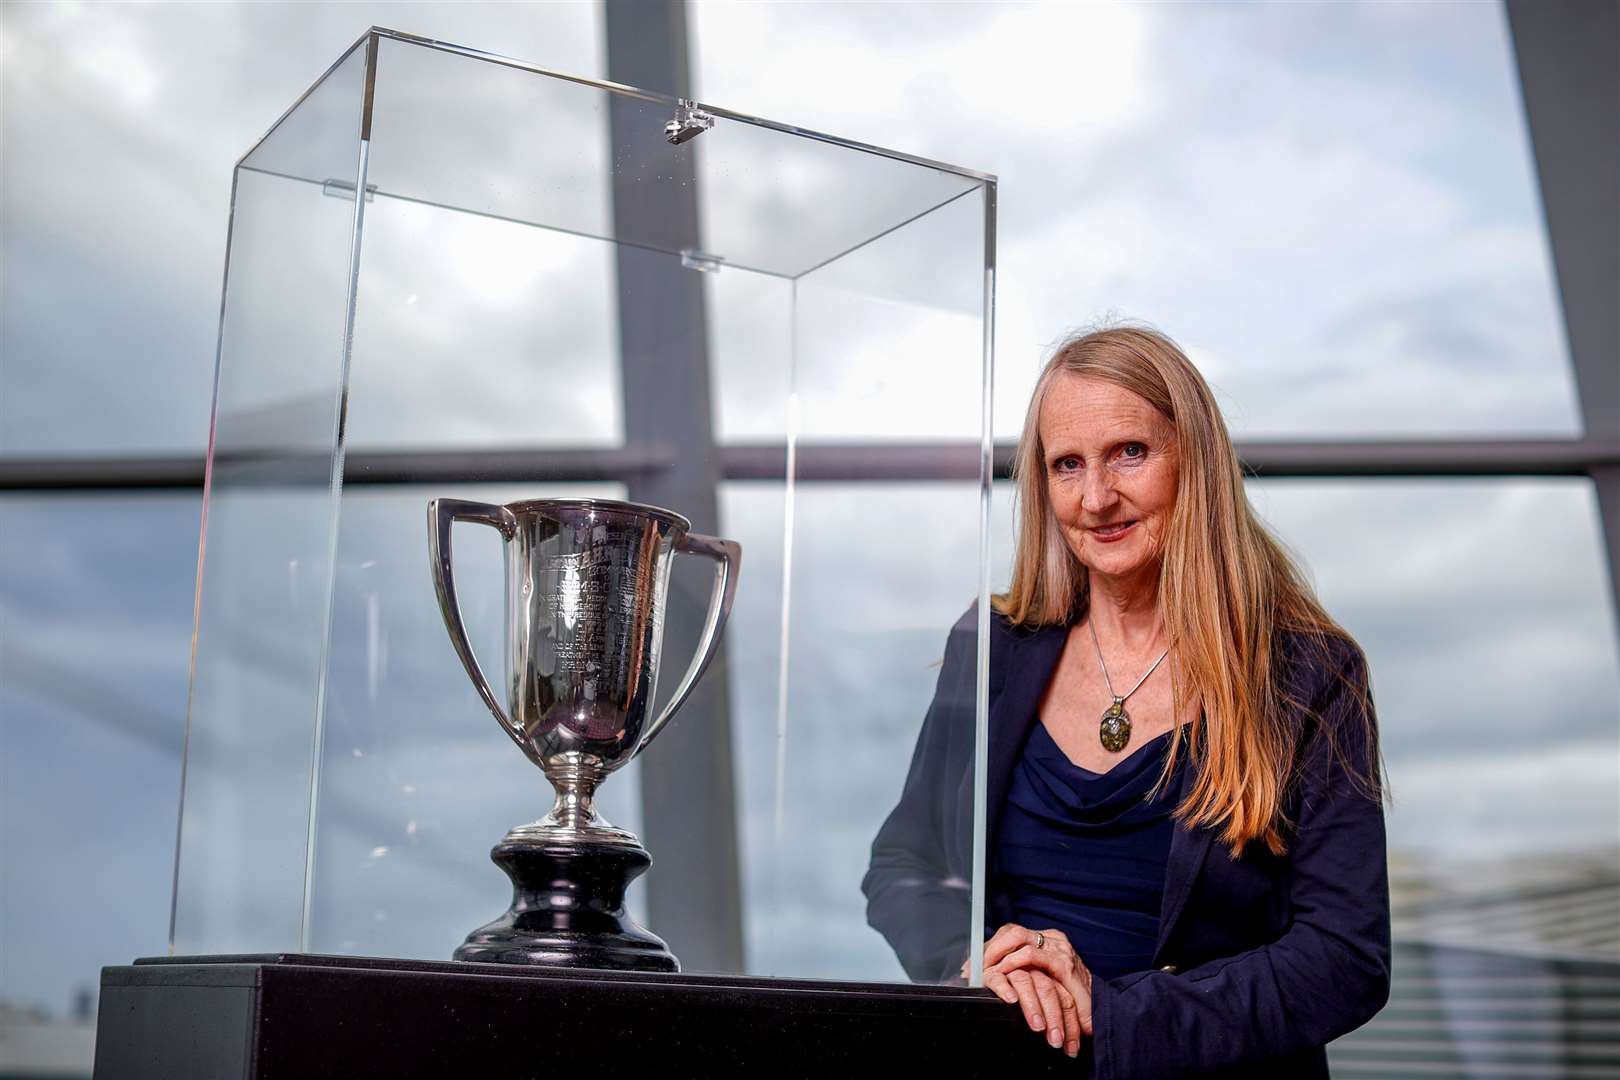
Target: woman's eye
1067, 464
1133, 451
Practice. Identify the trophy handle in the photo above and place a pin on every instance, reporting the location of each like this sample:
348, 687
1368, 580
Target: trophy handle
442, 514
727, 555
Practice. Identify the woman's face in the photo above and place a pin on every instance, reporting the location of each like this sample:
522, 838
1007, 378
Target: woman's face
1110, 474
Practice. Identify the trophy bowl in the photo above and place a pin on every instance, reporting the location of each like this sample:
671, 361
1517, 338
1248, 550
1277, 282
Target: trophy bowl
586, 585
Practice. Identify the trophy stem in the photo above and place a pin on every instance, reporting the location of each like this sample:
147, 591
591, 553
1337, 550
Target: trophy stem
575, 778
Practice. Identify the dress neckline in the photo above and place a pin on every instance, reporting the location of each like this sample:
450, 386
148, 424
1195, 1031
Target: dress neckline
1121, 763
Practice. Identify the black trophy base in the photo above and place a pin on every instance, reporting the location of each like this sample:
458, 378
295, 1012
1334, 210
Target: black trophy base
568, 908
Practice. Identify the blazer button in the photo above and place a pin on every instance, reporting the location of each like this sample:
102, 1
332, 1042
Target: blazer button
1171, 968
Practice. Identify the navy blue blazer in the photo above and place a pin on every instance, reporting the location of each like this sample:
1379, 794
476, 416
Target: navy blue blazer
1261, 960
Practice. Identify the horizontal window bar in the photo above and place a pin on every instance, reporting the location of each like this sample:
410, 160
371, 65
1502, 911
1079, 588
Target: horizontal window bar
816, 462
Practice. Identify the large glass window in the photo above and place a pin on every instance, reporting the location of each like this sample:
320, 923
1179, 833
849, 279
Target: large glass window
165, 98
1331, 206
1488, 621
1484, 611
95, 626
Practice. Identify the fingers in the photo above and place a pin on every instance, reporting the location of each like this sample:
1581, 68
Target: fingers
1060, 938
1012, 936
1083, 1002
1066, 970
1051, 1009
1005, 940
1023, 984
996, 982
1060, 967
1086, 1003
1072, 1027
1047, 1007
1031, 957
1050, 985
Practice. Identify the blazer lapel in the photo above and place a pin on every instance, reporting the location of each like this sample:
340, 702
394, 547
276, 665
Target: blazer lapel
1029, 662
1187, 850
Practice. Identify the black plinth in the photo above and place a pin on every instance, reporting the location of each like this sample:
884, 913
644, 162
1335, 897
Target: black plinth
568, 909
264, 1017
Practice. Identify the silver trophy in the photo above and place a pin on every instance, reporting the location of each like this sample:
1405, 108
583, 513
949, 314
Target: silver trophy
586, 584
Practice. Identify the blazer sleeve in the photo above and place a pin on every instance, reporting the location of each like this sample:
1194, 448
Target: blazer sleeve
1327, 975
914, 898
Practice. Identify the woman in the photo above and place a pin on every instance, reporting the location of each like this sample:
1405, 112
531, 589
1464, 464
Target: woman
1185, 827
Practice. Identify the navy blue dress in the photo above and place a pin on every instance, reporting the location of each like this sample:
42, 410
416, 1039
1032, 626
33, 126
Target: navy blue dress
1084, 853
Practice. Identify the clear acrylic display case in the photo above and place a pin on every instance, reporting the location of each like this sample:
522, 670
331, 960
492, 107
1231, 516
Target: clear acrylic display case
454, 274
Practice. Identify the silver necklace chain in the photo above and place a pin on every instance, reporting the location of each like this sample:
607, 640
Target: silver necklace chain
1119, 699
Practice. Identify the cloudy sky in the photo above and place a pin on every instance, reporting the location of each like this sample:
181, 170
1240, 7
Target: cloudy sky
1331, 206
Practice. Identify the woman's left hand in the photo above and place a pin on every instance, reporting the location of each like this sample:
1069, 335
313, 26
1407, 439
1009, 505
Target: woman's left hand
1019, 964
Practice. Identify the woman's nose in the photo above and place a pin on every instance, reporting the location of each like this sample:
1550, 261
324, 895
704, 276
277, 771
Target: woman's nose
1097, 494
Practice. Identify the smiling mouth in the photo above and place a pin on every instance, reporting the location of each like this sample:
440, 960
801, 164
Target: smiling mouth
1112, 530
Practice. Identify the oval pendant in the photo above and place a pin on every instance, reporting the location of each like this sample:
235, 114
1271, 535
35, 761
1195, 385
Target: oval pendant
1115, 730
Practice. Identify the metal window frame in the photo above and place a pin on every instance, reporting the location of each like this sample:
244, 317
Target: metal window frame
1568, 55
823, 462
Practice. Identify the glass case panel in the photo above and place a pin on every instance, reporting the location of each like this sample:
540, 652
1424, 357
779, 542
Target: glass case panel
263, 601
773, 199
831, 689
533, 309
525, 291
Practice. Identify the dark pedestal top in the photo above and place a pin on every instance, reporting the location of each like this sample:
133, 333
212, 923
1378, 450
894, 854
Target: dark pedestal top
309, 1016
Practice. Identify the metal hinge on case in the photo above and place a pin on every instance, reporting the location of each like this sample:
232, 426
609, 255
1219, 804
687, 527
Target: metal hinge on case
344, 189
689, 122
700, 261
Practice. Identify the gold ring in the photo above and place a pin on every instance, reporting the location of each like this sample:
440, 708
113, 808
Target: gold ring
1040, 940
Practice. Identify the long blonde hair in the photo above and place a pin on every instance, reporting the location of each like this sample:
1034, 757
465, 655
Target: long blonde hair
1227, 590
